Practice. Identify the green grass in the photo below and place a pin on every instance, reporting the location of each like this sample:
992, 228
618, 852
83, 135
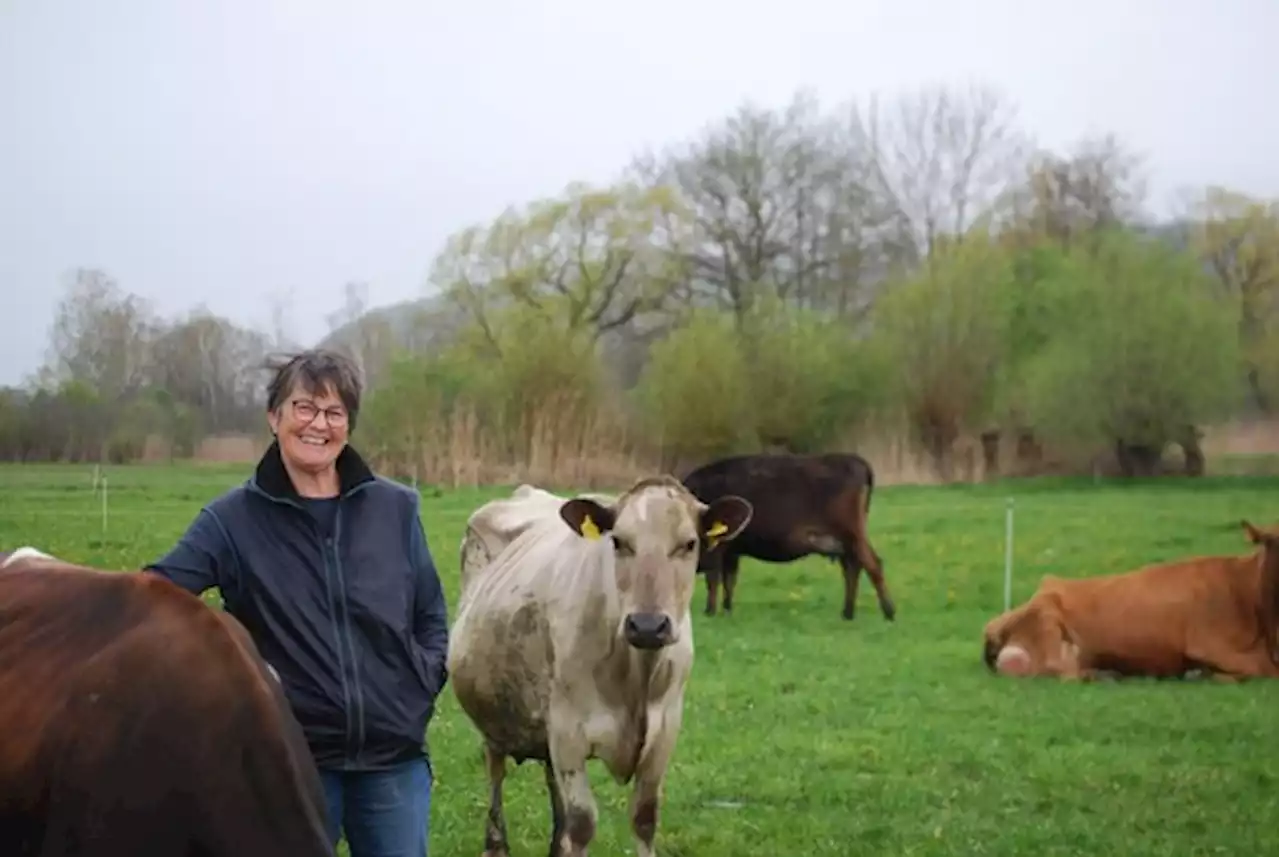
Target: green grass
807, 735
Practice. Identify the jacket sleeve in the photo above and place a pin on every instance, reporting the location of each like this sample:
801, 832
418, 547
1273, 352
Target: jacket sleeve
200, 559
430, 615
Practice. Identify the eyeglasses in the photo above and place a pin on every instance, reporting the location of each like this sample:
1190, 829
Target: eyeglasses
306, 411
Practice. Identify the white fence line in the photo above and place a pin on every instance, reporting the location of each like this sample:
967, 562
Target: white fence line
1008, 553
984, 508
968, 508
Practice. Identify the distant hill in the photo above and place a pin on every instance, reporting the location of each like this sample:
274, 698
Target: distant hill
419, 325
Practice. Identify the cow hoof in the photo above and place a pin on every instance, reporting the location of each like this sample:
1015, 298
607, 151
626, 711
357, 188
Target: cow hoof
890, 612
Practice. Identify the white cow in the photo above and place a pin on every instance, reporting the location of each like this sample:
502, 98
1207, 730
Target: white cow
573, 640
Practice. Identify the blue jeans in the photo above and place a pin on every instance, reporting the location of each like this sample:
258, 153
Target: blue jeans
383, 813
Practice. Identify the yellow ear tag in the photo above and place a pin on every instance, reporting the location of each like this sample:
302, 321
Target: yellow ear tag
589, 529
714, 532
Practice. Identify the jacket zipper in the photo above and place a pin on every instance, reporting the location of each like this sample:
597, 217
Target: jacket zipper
351, 668
335, 583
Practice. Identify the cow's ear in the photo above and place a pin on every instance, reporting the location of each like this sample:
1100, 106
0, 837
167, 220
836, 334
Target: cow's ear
586, 517
724, 519
1255, 535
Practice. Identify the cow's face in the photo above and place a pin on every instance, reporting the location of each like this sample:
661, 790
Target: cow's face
655, 530
1027, 639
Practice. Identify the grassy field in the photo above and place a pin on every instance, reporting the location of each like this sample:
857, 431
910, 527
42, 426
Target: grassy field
807, 735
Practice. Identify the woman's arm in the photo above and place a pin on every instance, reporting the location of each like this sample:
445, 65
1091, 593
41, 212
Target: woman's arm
198, 560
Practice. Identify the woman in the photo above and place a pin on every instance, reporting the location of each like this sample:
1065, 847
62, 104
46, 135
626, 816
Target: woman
328, 568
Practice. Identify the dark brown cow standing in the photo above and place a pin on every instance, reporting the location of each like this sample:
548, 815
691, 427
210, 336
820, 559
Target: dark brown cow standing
804, 504
1216, 614
135, 720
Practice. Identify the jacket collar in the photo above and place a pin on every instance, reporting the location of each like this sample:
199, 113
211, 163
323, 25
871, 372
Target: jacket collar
272, 479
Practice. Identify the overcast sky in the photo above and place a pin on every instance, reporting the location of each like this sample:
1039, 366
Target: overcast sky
219, 153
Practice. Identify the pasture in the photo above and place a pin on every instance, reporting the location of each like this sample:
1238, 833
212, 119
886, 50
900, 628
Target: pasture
807, 735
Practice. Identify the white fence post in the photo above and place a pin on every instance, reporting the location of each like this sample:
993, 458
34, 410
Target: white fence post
104, 505
1008, 553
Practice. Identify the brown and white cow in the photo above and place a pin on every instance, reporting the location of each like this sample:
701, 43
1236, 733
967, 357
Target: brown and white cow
24, 552
134, 719
1216, 614
573, 640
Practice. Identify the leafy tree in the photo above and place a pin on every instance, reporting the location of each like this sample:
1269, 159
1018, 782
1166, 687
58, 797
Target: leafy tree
695, 397
1142, 353
1238, 237
942, 337
810, 380
585, 260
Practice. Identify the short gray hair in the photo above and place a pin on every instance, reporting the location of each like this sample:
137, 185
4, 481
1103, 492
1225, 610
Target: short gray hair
316, 370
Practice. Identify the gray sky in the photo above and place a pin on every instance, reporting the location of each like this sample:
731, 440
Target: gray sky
223, 152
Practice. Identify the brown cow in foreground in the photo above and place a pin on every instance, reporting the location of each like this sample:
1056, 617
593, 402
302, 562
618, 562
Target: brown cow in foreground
573, 640
135, 720
1215, 614
803, 504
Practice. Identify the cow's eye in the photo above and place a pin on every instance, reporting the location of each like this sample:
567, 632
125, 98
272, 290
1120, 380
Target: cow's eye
622, 547
689, 546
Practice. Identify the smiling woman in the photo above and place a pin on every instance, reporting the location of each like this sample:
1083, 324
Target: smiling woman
327, 566
307, 386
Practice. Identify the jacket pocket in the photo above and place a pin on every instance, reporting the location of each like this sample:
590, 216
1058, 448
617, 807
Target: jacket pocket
425, 670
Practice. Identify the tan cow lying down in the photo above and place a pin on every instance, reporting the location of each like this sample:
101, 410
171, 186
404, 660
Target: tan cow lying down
573, 640
1215, 614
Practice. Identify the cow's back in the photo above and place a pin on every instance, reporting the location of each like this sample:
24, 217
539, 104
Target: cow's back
791, 495
497, 523
133, 712
1161, 619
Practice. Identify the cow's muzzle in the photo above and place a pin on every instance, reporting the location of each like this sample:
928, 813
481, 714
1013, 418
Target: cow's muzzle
648, 630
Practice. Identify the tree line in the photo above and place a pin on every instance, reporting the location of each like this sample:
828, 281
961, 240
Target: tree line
791, 278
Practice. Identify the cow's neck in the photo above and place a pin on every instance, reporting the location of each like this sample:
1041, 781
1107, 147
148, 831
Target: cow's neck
634, 677
635, 666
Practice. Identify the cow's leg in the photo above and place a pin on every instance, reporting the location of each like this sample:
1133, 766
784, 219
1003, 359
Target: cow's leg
713, 584
729, 576
557, 809
495, 828
875, 571
858, 544
852, 569
647, 795
1236, 665
1064, 656
569, 761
